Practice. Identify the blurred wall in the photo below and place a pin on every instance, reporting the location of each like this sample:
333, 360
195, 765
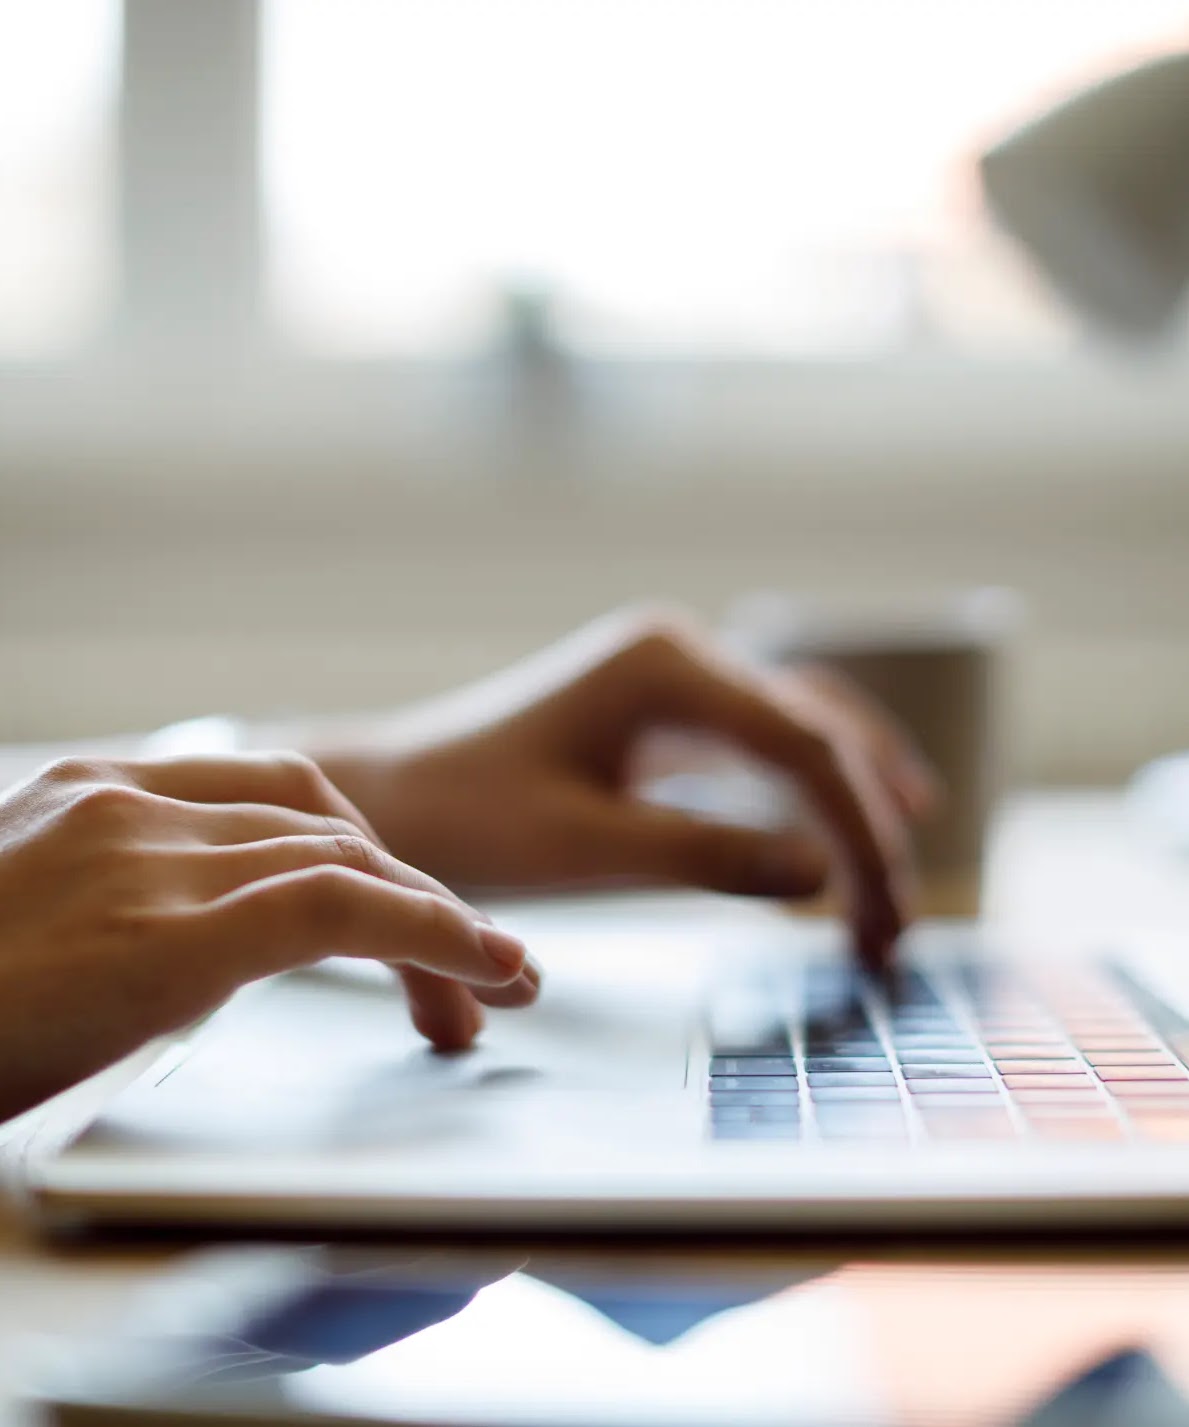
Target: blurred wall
138, 585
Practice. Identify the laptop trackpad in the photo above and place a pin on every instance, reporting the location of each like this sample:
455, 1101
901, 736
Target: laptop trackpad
321, 1061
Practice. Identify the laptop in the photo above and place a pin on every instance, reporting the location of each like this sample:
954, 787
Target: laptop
696, 1064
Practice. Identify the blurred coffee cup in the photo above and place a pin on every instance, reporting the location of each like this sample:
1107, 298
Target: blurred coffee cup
935, 665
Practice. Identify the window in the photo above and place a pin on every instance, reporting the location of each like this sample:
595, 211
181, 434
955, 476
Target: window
677, 177
661, 178
58, 69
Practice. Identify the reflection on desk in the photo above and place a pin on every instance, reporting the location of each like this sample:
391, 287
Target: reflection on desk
321, 1335
316, 1335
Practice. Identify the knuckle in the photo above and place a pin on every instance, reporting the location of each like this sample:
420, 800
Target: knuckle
661, 629
341, 830
301, 775
355, 851
653, 641
108, 806
320, 899
439, 920
78, 770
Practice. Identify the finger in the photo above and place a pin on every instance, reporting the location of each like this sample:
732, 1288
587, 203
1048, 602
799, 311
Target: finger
228, 824
667, 846
905, 769
856, 810
445, 1012
448, 1014
521, 992
285, 780
297, 918
212, 872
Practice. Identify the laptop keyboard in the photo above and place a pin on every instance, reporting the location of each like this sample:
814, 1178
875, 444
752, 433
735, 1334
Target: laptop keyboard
973, 1051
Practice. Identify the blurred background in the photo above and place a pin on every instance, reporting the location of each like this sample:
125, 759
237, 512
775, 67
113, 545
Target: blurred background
348, 351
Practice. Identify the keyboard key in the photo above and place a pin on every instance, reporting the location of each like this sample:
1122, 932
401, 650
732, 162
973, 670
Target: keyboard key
737, 1048
751, 1082
835, 1112
839, 1063
928, 1004
1130, 1057
1155, 1105
968, 1086
1160, 1073
753, 1065
866, 1078
953, 1056
753, 1097
1104, 1026
753, 1114
863, 1093
1079, 1107
1087, 1130
992, 1123
847, 1045
1055, 1079
905, 985
777, 1130
952, 1071
928, 1097
1086, 1094
1151, 1089
1051, 1049
1064, 1066
865, 1134
917, 1041
1165, 1129
747, 1026
837, 1122
1088, 1043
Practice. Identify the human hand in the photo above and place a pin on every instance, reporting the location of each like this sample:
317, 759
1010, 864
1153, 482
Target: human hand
137, 896
526, 781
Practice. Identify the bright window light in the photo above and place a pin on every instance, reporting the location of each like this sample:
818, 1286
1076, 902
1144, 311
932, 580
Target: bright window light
59, 62
700, 177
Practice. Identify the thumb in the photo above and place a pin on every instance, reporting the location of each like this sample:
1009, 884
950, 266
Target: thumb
665, 845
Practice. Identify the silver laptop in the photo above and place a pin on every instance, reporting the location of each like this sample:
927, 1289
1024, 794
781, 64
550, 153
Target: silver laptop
695, 1064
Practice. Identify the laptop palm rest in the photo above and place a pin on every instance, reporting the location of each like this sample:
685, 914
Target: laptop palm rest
321, 1062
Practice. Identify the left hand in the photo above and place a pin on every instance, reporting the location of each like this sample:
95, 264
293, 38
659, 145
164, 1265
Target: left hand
525, 780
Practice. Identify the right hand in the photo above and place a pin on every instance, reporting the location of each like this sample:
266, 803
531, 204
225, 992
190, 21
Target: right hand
137, 896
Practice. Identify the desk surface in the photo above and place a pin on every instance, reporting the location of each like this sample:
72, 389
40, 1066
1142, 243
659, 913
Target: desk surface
1061, 858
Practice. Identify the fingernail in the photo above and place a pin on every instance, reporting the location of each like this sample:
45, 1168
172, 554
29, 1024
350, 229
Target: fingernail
504, 949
